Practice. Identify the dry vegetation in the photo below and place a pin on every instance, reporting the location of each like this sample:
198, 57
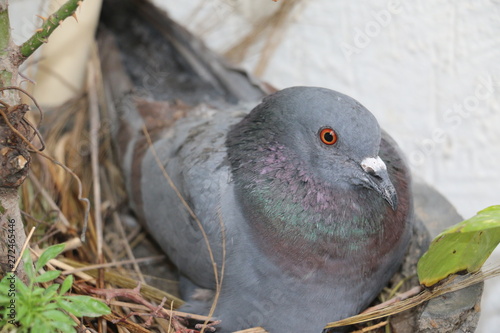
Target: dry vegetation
50, 202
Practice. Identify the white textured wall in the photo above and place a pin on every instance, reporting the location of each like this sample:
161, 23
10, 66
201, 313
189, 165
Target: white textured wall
429, 71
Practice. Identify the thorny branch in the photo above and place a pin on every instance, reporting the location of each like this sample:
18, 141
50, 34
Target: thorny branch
49, 25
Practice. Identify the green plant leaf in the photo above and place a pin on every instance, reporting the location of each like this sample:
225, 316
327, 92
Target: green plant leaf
42, 326
47, 276
28, 265
69, 307
51, 306
50, 294
49, 253
66, 285
22, 289
58, 316
37, 291
27, 320
463, 247
64, 327
88, 306
22, 311
51, 289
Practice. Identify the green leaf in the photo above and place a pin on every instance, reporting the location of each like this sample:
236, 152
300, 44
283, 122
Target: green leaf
58, 316
22, 311
37, 291
88, 306
463, 247
64, 327
6, 281
45, 329
28, 265
66, 285
51, 289
51, 306
49, 253
47, 276
4, 300
21, 287
50, 294
69, 307
41, 326
28, 319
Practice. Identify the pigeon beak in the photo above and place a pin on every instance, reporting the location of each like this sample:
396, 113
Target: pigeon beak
379, 179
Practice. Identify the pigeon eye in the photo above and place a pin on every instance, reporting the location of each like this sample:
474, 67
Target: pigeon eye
328, 136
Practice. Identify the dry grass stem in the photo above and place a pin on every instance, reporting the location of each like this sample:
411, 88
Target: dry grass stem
92, 85
271, 29
25, 245
427, 294
218, 278
113, 264
64, 223
128, 249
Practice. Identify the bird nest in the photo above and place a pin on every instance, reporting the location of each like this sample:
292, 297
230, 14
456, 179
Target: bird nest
107, 251
84, 205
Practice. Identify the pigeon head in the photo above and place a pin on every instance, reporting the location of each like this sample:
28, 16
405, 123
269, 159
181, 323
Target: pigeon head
331, 137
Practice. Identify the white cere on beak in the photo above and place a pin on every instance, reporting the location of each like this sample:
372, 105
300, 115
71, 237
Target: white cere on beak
373, 165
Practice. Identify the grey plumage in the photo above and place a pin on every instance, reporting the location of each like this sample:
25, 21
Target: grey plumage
349, 233
335, 262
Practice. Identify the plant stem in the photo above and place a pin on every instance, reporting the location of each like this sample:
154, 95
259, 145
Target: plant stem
4, 28
11, 225
49, 25
5, 74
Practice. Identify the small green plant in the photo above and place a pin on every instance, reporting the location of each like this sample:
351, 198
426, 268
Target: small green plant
462, 247
30, 308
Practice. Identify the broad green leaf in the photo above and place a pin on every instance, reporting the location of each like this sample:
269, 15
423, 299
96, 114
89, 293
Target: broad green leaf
50, 289
49, 253
28, 265
50, 294
39, 323
47, 276
6, 281
51, 306
88, 306
66, 285
4, 300
27, 320
463, 247
42, 326
21, 312
69, 307
64, 327
44, 329
37, 291
21, 287
58, 316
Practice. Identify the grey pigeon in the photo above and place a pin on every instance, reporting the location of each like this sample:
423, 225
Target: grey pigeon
313, 196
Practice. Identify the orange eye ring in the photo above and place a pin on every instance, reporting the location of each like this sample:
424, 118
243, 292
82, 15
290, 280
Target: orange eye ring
328, 136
